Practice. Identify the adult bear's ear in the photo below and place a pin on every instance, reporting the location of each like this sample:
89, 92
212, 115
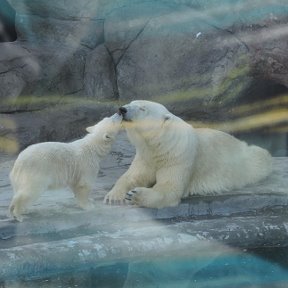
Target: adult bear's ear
107, 137
90, 129
167, 117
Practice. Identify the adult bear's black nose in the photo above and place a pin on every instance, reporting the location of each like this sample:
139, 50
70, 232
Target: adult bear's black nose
122, 110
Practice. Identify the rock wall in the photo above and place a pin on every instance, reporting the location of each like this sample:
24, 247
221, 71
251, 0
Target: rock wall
200, 58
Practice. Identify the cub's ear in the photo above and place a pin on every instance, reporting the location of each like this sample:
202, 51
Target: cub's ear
90, 129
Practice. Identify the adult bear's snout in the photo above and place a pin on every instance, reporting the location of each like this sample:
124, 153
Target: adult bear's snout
122, 110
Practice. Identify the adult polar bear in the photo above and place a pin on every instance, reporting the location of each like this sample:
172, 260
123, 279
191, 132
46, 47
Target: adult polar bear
174, 160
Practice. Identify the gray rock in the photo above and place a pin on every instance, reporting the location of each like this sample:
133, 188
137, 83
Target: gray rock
63, 72
269, 47
49, 32
226, 14
55, 122
73, 9
199, 58
57, 73
191, 42
59, 43
202, 69
100, 76
58, 9
123, 25
18, 68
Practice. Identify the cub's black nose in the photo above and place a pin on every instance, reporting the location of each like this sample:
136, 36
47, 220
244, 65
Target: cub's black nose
122, 110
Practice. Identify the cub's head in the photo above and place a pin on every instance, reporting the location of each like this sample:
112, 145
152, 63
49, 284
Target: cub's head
107, 129
145, 116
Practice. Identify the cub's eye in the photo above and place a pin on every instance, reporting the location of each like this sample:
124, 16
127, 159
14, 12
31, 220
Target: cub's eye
142, 109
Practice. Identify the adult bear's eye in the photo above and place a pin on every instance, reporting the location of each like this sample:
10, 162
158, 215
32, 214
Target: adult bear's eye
142, 109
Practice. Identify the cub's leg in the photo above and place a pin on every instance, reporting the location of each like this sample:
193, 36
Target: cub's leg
22, 199
81, 193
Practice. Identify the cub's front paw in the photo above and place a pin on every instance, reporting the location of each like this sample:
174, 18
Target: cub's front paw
18, 218
114, 197
87, 206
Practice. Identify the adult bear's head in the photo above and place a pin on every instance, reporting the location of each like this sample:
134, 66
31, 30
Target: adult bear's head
146, 118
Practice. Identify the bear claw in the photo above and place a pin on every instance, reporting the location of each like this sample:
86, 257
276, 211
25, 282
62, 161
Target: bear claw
130, 196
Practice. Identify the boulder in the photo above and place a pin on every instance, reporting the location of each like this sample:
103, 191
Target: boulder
202, 59
51, 32
100, 76
123, 25
18, 68
55, 122
180, 57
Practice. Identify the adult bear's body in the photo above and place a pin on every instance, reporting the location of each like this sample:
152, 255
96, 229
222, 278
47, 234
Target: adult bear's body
174, 160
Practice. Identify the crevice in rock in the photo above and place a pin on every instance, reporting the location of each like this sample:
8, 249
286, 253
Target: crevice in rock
115, 75
115, 64
20, 111
6, 71
229, 32
131, 42
87, 46
238, 38
263, 89
74, 92
70, 18
13, 69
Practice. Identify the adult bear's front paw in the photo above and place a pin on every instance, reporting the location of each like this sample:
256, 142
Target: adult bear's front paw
114, 197
132, 197
148, 197
135, 197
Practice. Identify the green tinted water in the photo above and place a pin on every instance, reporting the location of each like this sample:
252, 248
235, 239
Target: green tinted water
254, 269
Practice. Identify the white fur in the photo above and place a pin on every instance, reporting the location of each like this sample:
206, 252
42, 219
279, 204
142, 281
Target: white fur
173, 160
52, 165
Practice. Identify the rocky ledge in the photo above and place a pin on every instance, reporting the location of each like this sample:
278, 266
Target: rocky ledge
56, 236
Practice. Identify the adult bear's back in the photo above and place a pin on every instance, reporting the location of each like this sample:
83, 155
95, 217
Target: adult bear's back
224, 163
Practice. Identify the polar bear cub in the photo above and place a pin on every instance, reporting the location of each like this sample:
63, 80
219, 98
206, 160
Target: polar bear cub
52, 165
174, 160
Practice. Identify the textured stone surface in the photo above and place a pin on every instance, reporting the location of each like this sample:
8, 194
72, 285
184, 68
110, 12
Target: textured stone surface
18, 67
59, 9
100, 83
200, 70
52, 122
199, 58
125, 24
51, 31
207, 43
